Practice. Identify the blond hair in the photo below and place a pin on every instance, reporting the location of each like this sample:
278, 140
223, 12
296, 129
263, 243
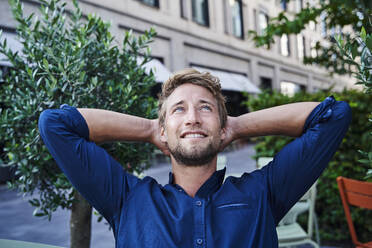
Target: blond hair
195, 77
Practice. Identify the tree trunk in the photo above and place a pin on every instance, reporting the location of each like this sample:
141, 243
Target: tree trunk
80, 222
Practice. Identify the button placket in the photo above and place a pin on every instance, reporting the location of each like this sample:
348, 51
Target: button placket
199, 215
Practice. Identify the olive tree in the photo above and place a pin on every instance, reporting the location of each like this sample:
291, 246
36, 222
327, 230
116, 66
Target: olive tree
359, 55
71, 58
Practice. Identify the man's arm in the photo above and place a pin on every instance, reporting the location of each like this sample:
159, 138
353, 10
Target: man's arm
107, 125
320, 129
286, 120
90, 169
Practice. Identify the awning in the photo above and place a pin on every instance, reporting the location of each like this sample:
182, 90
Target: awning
232, 81
161, 72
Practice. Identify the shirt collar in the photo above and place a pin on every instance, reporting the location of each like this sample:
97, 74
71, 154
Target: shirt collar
210, 186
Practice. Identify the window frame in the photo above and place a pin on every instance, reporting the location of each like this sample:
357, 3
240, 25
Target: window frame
206, 22
290, 88
301, 39
259, 26
241, 36
183, 9
288, 45
155, 5
284, 5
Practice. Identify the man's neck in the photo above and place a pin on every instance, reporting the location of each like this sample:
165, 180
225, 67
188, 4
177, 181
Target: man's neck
191, 178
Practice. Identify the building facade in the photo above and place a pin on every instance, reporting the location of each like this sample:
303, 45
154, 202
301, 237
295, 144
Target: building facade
212, 35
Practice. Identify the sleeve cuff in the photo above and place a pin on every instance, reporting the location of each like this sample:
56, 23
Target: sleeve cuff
77, 120
321, 113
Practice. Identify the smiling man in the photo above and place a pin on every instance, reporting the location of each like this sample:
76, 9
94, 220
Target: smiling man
197, 208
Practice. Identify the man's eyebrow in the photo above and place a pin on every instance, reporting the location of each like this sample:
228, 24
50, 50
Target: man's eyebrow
206, 101
177, 103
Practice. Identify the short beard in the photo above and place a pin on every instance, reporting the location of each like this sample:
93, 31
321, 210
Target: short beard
197, 158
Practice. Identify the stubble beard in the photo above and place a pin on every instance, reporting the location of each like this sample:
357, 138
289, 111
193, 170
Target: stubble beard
197, 156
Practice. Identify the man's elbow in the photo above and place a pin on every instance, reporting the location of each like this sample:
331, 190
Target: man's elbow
344, 112
46, 118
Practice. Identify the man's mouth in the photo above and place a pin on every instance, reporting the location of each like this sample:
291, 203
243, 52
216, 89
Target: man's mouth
193, 135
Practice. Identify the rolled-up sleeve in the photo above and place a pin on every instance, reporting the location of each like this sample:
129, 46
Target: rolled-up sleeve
90, 169
299, 164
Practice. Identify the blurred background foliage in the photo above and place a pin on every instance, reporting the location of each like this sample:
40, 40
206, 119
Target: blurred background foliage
336, 17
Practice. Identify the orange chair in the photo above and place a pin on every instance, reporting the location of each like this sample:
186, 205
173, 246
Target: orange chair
358, 194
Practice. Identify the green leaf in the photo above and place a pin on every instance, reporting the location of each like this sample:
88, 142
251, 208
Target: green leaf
363, 34
369, 42
364, 161
46, 64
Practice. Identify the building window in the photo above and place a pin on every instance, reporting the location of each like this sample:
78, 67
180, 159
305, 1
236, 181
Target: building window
237, 18
313, 51
284, 45
183, 8
290, 89
301, 46
312, 25
153, 3
299, 5
200, 13
266, 83
323, 24
263, 21
283, 4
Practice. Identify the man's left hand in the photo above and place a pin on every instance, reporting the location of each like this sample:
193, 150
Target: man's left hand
230, 134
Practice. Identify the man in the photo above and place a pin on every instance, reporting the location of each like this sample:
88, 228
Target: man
196, 208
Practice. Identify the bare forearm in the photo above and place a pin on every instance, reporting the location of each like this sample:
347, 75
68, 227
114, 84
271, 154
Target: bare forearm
286, 120
107, 125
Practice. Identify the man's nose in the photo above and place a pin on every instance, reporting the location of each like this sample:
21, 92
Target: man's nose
193, 117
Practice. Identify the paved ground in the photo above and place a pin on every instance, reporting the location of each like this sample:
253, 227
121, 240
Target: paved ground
17, 222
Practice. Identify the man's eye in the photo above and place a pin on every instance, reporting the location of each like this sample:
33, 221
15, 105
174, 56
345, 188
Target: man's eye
178, 109
206, 107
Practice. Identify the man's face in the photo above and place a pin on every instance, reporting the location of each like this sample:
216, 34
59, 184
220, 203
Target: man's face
192, 128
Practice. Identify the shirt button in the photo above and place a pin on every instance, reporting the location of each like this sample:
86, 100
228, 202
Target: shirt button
198, 203
199, 241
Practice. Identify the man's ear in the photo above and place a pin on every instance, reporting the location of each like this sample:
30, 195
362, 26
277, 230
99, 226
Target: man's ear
163, 135
223, 133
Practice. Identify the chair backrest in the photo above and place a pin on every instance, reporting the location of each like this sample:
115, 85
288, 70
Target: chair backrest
310, 197
356, 193
305, 204
262, 161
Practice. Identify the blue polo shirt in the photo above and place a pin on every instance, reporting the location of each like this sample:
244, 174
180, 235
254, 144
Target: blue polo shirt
238, 212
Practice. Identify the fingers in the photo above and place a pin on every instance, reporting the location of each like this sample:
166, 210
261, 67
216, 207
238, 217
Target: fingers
166, 152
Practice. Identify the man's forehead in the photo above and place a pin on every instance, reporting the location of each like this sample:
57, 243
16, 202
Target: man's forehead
199, 96
188, 91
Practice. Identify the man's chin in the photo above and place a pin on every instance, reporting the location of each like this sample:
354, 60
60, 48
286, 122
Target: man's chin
194, 155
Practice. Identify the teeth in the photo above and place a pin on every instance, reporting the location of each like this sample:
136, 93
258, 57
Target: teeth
194, 135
